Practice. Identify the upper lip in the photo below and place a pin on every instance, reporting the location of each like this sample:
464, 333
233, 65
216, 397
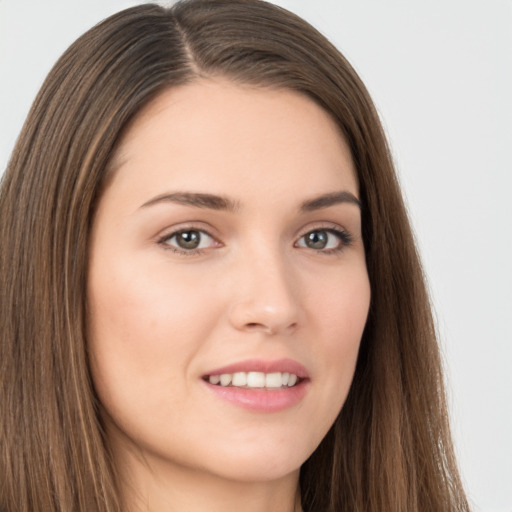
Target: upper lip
264, 366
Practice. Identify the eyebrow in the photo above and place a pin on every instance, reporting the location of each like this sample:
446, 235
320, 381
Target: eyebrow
199, 200
215, 202
331, 199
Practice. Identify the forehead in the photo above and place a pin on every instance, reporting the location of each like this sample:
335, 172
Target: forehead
213, 134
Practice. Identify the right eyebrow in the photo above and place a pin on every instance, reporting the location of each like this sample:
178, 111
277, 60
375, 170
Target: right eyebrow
199, 200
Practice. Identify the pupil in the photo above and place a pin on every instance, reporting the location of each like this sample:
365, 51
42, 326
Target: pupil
188, 239
316, 239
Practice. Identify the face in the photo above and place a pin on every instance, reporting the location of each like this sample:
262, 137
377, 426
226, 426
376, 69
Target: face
227, 287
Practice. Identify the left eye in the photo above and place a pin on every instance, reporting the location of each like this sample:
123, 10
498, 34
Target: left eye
189, 240
321, 240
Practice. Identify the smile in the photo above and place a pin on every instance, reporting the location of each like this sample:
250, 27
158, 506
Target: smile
262, 386
255, 380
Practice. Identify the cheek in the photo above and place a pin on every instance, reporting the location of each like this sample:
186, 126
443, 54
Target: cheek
143, 329
339, 305
140, 304
340, 316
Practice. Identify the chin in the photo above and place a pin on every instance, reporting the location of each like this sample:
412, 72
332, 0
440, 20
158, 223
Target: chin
261, 464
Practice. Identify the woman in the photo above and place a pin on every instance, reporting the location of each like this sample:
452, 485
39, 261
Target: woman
212, 296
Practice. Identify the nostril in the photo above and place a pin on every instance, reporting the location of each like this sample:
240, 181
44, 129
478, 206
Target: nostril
259, 327
269, 328
255, 326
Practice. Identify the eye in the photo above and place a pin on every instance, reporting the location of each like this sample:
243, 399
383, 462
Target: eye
327, 240
188, 240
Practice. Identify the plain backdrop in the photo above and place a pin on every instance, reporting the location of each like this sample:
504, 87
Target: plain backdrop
440, 73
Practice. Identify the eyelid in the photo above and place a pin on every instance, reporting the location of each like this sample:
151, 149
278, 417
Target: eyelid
191, 225
322, 225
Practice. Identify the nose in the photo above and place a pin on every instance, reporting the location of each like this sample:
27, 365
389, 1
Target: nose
266, 297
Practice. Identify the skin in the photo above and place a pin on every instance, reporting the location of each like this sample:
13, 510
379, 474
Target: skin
161, 317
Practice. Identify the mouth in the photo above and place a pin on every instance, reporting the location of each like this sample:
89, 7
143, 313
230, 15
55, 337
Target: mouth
255, 380
260, 386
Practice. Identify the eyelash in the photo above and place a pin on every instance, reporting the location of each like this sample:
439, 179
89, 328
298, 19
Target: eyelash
344, 237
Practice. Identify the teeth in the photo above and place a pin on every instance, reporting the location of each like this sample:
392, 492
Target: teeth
225, 379
239, 379
255, 379
214, 379
273, 380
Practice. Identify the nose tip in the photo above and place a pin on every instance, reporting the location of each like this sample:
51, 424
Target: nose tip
268, 304
247, 316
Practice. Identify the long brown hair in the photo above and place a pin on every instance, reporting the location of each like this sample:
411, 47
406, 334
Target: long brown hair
390, 447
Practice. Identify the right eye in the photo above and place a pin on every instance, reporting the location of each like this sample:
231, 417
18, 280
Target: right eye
188, 241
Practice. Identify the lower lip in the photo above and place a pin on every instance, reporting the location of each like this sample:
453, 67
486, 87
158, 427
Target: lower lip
261, 400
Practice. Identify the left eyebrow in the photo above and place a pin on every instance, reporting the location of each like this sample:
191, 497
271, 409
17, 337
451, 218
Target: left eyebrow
331, 199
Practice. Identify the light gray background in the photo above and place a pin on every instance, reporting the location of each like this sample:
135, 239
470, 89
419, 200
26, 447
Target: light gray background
440, 73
